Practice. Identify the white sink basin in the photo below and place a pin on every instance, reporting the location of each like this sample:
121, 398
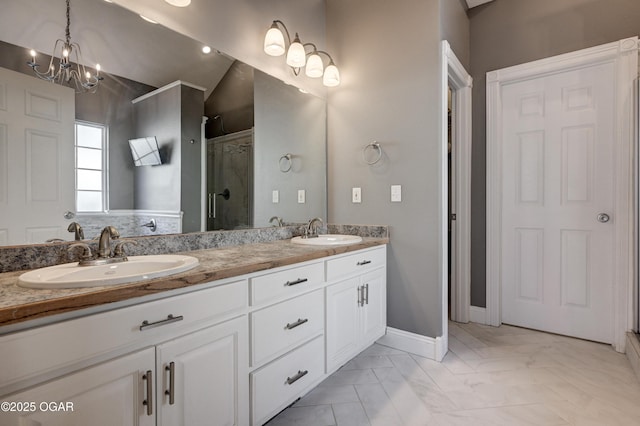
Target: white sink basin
137, 268
328, 240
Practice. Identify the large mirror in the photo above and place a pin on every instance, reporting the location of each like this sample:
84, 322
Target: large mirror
236, 146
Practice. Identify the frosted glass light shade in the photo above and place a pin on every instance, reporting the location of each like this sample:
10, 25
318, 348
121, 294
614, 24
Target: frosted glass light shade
331, 76
274, 42
296, 56
315, 67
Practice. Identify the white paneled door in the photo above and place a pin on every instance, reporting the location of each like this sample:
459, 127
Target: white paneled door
558, 202
36, 158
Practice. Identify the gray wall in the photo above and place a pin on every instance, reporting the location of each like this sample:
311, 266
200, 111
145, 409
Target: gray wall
288, 121
388, 54
173, 116
511, 32
454, 27
192, 110
159, 116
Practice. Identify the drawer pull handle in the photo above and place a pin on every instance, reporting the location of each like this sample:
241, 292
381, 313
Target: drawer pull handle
149, 401
296, 324
146, 325
363, 262
171, 392
296, 282
300, 375
366, 294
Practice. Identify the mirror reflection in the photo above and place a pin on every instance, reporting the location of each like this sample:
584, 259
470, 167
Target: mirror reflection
229, 146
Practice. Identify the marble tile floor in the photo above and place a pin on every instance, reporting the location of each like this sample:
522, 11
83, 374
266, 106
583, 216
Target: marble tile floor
490, 377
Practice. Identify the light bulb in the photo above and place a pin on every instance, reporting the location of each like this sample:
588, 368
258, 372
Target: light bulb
98, 68
88, 75
331, 76
274, 41
296, 56
33, 53
65, 53
206, 50
315, 67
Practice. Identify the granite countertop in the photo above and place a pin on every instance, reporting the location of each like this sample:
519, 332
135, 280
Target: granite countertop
19, 304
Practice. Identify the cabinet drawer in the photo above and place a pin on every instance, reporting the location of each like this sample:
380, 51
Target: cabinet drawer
279, 383
34, 353
358, 262
279, 285
279, 328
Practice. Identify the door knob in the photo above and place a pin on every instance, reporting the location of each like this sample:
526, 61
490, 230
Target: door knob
603, 218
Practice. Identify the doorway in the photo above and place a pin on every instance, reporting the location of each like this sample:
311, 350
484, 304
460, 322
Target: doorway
559, 174
456, 178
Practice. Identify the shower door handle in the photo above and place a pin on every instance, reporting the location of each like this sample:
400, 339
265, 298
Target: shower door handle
212, 205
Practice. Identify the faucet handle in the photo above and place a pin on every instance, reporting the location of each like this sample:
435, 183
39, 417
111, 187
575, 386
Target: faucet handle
118, 251
86, 252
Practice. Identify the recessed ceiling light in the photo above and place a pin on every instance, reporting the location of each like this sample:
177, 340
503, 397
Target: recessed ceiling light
179, 3
148, 20
206, 49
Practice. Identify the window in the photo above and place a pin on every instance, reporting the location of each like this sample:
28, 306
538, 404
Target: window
91, 170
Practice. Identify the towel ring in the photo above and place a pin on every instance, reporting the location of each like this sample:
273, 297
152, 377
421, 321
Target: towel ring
373, 145
285, 166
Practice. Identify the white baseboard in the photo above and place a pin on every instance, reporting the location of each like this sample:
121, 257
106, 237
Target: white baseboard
478, 315
428, 347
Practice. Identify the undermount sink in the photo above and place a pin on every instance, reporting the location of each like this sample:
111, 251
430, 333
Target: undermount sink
137, 268
328, 240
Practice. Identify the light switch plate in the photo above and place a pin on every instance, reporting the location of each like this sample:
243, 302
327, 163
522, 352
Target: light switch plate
275, 196
301, 196
356, 195
396, 193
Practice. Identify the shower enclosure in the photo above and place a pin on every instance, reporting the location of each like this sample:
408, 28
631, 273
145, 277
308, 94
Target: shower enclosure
230, 181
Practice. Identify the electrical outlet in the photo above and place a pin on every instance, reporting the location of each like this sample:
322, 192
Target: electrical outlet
301, 196
396, 193
275, 196
356, 195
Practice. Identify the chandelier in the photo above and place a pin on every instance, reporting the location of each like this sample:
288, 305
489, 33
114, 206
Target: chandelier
70, 70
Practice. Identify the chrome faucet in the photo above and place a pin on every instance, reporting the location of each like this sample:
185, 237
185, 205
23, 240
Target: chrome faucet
311, 230
104, 244
278, 219
77, 229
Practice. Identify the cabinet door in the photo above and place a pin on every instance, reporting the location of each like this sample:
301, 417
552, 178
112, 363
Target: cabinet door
210, 377
113, 393
342, 322
374, 311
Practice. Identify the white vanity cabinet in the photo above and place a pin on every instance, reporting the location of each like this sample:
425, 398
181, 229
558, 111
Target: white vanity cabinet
178, 361
231, 353
202, 377
356, 304
287, 336
111, 393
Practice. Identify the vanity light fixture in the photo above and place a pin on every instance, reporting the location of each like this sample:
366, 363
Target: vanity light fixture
70, 70
298, 57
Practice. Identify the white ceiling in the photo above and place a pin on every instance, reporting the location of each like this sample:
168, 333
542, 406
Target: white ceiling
474, 3
118, 39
